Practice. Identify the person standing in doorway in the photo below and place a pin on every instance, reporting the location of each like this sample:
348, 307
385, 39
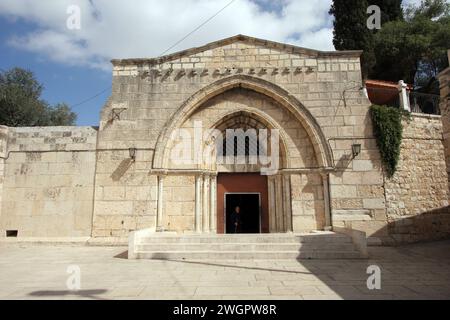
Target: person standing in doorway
236, 221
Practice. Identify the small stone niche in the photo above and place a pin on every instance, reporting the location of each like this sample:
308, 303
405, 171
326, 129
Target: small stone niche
12, 233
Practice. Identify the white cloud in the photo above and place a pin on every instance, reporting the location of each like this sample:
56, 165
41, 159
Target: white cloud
320, 40
146, 28
411, 2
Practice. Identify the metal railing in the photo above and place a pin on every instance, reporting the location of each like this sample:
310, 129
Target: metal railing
424, 103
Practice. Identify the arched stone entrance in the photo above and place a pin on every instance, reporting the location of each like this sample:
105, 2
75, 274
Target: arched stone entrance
296, 192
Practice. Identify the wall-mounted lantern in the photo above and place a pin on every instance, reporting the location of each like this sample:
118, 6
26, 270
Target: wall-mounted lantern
132, 153
356, 150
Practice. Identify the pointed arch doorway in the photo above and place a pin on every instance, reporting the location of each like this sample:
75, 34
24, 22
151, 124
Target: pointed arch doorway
243, 182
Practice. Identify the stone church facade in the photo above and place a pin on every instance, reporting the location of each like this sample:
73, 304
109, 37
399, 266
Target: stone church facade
124, 175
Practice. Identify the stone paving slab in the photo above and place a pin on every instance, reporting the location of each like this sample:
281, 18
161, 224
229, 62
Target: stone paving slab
29, 271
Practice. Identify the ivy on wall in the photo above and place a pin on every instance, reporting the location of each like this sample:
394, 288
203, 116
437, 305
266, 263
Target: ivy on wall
388, 131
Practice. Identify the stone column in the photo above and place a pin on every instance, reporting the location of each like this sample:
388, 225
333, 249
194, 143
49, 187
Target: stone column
326, 199
160, 208
272, 205
279, 203
287, 203
213, 205
198, 203
404, 98
206, 198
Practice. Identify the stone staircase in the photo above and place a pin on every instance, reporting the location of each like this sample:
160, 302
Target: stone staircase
323, 245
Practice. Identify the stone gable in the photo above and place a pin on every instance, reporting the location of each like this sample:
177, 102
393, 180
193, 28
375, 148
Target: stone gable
234, 48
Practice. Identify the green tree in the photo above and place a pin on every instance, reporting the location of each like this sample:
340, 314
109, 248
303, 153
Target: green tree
351, 32
21, 103
391, 10
414, 49
61, 115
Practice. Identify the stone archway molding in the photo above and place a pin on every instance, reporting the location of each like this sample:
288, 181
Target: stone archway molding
261, 118
280, 95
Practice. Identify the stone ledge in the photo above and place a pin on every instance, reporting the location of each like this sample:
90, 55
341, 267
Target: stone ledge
46, 240
107, 242
426, 116
352, 215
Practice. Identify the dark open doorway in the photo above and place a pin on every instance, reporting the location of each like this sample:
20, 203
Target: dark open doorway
250, 212
242, 184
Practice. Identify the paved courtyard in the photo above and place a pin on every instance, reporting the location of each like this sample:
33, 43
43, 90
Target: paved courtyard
28, 271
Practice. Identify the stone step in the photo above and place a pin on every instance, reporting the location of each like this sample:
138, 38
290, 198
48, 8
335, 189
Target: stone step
45, 241
322, 239
247, 255
320, 245
274, 247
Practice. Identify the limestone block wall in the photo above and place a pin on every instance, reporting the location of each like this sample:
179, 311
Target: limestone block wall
3, 154
179, 203
48, 181
417, 196
357, 186
308, 207
125, 193
444, 80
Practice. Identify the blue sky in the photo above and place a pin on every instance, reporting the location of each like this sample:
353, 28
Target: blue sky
62, 83
74, 65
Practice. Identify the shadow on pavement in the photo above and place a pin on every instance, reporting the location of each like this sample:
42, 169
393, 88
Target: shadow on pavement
122, 255
91, 294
